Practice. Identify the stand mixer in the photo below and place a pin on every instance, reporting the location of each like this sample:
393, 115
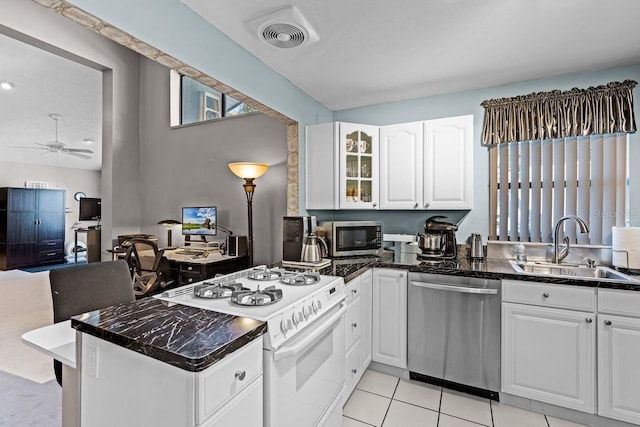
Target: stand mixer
439, 239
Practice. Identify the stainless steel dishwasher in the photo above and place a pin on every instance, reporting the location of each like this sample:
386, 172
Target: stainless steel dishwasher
454, 332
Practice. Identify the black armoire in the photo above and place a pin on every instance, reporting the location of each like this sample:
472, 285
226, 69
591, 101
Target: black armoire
31, 227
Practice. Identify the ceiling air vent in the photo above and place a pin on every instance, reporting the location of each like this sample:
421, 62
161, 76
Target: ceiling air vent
283, 28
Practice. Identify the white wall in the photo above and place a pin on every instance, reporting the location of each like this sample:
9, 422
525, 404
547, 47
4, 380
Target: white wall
187, 166
72, 180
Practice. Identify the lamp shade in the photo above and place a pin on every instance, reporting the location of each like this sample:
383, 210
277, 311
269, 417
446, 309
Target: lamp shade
248, 169
169, 222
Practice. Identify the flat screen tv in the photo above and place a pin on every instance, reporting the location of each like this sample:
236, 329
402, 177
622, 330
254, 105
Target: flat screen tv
90, 209
199, 221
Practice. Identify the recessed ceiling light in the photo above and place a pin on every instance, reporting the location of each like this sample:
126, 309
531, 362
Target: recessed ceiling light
87, 141
7, 85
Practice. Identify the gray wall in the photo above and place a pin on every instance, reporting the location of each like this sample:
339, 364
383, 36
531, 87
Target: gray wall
120, 66
187, 166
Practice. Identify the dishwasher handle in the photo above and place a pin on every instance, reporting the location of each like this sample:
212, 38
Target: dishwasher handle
454, 288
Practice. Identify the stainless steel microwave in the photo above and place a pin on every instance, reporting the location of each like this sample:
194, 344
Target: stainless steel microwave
347, 238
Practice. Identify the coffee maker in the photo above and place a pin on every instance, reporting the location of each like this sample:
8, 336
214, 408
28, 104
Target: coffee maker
439, 239
294, 230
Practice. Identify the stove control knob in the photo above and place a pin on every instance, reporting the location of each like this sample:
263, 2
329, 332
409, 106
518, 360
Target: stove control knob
319, 304
285, 326
306, 311
315, 306
296, 317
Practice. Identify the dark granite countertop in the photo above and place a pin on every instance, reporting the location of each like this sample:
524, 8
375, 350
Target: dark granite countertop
186, 337
498, 269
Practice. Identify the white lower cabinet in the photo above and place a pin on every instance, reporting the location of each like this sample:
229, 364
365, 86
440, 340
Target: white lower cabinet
549, 343
366, 307
389, 331
618, 353
145, 391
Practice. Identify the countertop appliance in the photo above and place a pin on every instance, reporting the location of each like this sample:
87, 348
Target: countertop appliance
454, 332
294, 230
439, 239
304, 354
348, 238
311, 249
476, 251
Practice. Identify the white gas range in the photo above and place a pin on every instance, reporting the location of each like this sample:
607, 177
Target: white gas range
304, 345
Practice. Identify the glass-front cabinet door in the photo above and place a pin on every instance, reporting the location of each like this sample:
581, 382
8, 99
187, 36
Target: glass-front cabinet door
359, 165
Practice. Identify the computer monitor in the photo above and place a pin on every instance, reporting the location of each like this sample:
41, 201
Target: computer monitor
90, 209
199, 221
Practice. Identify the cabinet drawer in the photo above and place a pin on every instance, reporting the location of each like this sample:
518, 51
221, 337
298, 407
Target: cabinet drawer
619, 302
549, 295
353, 288
186, 278
353, 368
55, 255
192, 268
353, 323
218, 384
50, 245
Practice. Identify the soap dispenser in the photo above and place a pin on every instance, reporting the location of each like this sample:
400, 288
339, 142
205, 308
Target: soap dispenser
521, 253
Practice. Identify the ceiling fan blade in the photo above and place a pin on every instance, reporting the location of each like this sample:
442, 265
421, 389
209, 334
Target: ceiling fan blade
74, 154
77, 150
29, 148
38, 143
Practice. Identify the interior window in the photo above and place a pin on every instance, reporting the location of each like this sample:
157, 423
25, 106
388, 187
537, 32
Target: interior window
193, 102
535, 183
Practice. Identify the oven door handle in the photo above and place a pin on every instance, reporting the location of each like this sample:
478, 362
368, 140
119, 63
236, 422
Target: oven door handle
304, 343
453, 288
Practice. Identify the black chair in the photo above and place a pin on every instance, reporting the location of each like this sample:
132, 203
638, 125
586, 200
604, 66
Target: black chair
149, 268
83, 288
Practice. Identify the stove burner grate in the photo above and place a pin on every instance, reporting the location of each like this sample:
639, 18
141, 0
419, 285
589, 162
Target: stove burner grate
217, 290
266, 274
258, 297
300, 279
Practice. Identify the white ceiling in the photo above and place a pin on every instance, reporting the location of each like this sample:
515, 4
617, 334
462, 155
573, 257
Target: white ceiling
375, 51
44, 84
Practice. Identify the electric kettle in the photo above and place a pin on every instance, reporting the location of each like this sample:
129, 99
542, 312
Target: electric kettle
311, 249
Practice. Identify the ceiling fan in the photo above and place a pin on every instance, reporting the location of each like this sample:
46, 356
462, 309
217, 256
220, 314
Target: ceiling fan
60, 147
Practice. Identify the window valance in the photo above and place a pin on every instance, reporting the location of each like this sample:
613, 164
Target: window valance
600, 110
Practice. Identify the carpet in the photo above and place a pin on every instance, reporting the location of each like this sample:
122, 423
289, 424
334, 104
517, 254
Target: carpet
27, 403
50, 267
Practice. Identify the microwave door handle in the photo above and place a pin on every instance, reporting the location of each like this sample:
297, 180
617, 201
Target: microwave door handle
452, 288
303, 344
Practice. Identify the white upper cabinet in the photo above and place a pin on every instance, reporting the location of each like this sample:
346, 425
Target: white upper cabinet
359, 166
342, 166
417, 165
448, 163
401, 164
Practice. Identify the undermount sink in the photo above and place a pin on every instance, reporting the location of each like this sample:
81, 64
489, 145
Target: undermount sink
570, 271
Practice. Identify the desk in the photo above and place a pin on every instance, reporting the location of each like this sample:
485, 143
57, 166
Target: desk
187, 269
59, 341
93, 244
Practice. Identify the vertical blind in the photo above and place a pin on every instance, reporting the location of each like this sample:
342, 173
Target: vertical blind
537, 182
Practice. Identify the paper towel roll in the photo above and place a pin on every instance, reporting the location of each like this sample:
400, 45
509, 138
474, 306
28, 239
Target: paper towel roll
625, 247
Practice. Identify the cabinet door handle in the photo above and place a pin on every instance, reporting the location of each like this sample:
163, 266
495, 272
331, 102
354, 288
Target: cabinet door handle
607, 322
355, 325
51, 244
354, 371
353, 291
375, 204
545, 295
588, 320
416, 206
240, 375
426, 205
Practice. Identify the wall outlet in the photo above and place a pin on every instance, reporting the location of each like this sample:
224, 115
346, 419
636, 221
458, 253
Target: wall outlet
92, 361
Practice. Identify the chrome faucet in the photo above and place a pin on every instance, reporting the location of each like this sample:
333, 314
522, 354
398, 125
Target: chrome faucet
559, 255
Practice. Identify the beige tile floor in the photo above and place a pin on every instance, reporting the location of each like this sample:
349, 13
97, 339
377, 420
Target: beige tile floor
386, 401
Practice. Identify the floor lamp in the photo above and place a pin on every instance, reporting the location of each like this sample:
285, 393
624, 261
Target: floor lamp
169, 223
249, 171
